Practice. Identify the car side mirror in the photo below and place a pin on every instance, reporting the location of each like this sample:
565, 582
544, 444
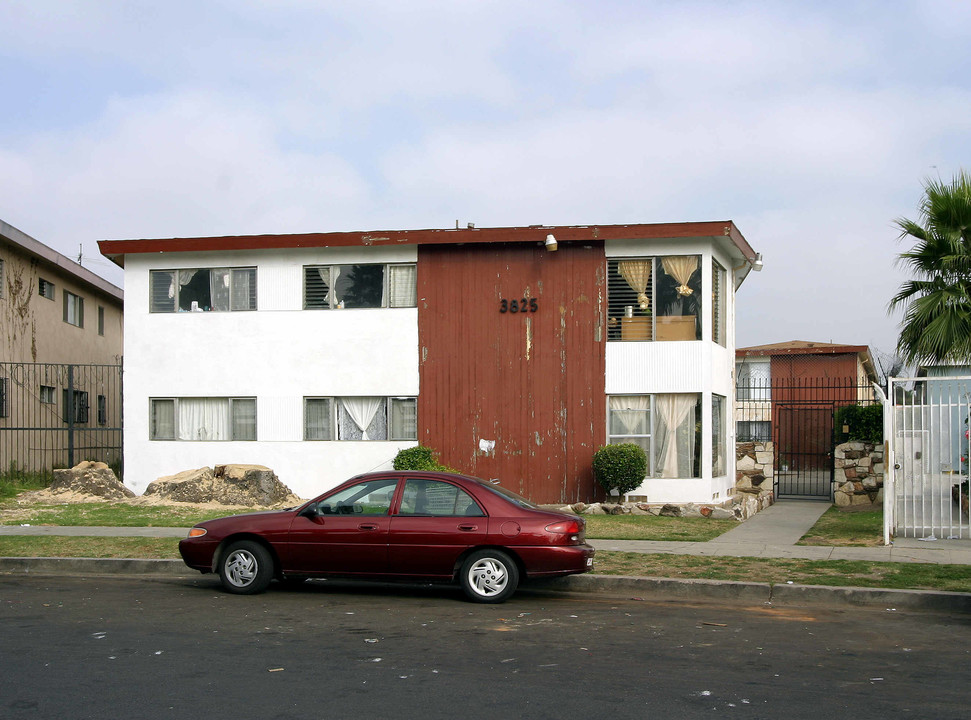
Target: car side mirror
310, 511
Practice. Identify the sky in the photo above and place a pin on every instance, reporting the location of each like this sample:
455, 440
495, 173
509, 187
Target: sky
812, 126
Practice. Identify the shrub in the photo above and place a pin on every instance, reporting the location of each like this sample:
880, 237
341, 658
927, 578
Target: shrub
417, 458
622, 466
865, 423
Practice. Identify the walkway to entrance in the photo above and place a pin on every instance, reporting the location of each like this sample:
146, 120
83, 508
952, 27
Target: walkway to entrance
780, 524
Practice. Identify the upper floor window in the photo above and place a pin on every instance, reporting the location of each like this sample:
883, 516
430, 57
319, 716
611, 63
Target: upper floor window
1, 277
45, 288
359, 286
203, 290
654, 298
718, 333
101, 320
753, 380
73, 309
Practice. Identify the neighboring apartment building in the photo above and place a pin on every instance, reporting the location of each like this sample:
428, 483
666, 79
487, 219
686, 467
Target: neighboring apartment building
513, 352
56, 319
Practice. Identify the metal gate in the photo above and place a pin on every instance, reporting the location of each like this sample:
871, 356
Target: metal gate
926, 491
804, 451
55, 416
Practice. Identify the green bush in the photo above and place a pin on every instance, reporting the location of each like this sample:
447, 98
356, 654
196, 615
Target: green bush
865, 423
622, 466
418, 458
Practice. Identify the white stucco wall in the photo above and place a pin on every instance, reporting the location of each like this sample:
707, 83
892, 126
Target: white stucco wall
278, 354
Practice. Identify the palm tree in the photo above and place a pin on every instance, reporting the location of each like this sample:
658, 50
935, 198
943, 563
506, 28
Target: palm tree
937, 303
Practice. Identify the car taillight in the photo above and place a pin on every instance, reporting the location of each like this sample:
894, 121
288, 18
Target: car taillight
571, 528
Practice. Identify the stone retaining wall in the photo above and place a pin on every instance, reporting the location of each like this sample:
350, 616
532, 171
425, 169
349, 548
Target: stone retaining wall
859, 473
753, 477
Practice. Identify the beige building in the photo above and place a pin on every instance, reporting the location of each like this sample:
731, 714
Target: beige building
61, 332
53, 310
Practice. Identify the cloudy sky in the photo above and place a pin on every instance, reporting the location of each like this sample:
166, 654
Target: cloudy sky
811, 125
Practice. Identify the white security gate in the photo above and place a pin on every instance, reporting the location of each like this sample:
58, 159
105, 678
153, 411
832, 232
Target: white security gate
927, 459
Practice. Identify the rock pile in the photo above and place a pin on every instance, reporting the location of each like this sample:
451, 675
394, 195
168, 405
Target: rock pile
90, 478
250, 485
642, 508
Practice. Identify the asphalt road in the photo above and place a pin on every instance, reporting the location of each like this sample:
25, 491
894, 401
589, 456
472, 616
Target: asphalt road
100, 647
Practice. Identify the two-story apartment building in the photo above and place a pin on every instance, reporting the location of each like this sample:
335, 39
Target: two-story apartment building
513, 352
60, 326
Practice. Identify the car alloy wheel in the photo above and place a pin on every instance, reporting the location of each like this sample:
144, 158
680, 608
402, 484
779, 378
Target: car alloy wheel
489, 576
246, 568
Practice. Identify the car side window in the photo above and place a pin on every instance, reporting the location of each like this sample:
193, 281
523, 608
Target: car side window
366, 498
433, 497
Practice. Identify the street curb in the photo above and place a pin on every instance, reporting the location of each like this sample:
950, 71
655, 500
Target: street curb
642, 588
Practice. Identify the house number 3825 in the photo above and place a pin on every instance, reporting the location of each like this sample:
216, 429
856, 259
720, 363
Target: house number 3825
518, 306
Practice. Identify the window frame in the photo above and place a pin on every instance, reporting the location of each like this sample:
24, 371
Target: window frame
47, 395
80, 403
4, 410
73, 309
653, 467
101, 320
334, 303
175, 287
629, 318
43, 286
333, 414
153, 434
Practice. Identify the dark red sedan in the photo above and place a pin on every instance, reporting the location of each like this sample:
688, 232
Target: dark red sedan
388, 525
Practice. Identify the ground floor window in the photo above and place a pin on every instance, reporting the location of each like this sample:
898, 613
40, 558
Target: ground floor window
718, 445
667, 426
206, 418
753, 431
360, 418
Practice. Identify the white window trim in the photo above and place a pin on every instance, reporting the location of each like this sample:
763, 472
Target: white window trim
175, 422
332, 302
334, 425
176, 288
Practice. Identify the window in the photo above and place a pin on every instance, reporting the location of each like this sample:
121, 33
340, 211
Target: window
3, 397
75, 405
367, 498
202, 290
73, 309
359, 286
202, 419
718, 304
1, 277
753, 431
434, 497
718, 444
753, 380
654, 298
360, 418
48, 395
102, 410
45, 288
101, 320
667, 426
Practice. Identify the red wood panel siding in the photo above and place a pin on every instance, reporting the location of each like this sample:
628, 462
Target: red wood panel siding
814, 378
531, 382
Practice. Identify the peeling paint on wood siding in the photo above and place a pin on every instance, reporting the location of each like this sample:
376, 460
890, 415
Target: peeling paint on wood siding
531, 382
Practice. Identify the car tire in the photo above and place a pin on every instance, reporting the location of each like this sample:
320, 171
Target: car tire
489, 576
246, 568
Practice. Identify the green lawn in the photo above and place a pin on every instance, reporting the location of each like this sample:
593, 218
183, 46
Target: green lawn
89, 547
110, 514
847, 528
650, 527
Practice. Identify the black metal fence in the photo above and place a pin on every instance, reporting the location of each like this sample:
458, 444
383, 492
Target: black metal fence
798, 416
55, 416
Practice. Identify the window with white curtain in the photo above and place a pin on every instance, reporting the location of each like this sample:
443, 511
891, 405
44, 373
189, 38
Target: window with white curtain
202, 290
360, 418
654, 298
203, 419
667, 426
345, 287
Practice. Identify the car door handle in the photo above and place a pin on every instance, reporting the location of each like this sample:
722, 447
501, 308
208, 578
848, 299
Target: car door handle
468, 528
367, 526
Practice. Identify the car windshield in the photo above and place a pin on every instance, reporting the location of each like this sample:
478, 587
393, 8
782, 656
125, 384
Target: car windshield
507, 494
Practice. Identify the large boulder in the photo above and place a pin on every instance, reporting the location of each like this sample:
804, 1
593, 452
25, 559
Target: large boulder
90, 478
247, 485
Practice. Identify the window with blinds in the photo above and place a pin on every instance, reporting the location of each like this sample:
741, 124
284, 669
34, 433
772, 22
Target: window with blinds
340, 287
202, 290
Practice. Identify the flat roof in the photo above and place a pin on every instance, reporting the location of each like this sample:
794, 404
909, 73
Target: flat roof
117, 249
48, 255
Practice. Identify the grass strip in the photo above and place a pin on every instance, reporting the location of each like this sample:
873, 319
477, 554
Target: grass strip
651, 527
89, 547
851, 573
847, 528
111, 514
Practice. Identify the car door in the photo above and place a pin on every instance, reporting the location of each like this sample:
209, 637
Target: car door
434, 523
344, 532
